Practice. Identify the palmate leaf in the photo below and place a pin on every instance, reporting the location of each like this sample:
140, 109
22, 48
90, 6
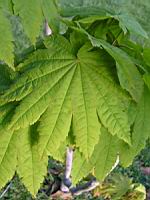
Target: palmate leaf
141, 130
30, 12
63, 86
102, 160
30, 167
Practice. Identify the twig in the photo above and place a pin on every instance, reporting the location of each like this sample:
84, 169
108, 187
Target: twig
5, 191
76, 191
116, 163
69, 159
66, 182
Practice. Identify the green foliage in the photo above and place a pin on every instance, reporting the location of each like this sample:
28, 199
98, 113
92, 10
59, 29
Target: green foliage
129, 77
120, 187
135, 170
28, 12
86, 88
18, 191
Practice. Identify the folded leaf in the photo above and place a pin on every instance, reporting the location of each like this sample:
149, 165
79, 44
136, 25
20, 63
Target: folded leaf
129, 76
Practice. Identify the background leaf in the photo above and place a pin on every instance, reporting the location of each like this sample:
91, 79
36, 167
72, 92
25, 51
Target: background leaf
30, 13
6, 47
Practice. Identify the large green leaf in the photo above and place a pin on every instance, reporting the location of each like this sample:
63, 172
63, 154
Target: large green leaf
141, 130
6, 45
8, 155
61, 84
102, 160
30, 167
30, 12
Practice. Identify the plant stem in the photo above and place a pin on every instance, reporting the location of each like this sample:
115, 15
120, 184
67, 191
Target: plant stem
69, 160
66, 182
5, 191
85, 188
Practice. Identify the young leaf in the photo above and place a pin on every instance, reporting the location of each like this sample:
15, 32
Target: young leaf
30, 13
30, 167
